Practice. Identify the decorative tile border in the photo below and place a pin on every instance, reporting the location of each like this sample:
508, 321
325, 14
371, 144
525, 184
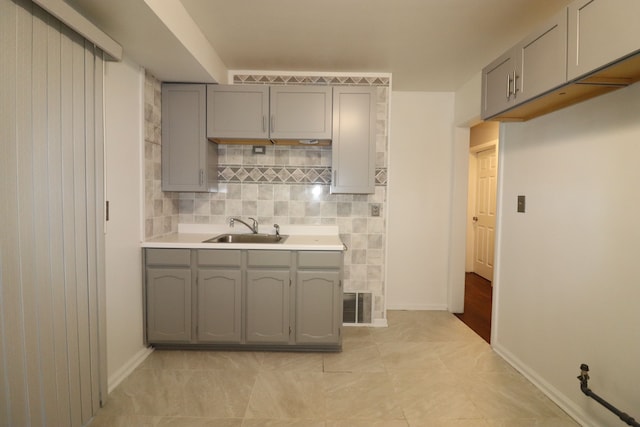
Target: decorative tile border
310, 80
284, 174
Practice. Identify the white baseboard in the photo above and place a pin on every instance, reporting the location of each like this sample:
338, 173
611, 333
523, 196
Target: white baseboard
418, 307
380, 323
122, 373
549, 390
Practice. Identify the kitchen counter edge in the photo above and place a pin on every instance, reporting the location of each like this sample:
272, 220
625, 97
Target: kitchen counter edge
292, 243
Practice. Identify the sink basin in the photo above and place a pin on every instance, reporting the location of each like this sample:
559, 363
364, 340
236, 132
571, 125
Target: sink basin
246, 238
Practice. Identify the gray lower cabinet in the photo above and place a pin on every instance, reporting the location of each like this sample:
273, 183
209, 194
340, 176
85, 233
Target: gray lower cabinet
268, 296
318, 297
168, 296
268, 306
219, 296
259, 298
317, 305
219, 305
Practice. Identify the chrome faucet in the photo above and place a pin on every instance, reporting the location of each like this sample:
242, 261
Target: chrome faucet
253, 228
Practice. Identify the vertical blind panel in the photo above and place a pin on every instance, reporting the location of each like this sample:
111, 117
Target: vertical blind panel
100, 226
26, 213
14, 388
94, 226
51, 190
69, 96
44, 276
56, 248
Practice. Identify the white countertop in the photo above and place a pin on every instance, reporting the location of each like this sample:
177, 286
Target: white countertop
300, 238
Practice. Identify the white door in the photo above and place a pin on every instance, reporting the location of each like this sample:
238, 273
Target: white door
485, 213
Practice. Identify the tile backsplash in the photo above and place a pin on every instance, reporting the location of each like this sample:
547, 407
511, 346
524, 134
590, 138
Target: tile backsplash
286, 185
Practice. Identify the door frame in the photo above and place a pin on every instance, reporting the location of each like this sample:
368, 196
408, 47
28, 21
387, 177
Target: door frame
471, 198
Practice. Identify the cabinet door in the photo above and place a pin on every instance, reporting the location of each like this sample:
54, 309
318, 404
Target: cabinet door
300, 112
600, 32
498, 83
219, 305
543, 57
168, 305
238, 112
318, 307
353, 150
267, 306
184, 142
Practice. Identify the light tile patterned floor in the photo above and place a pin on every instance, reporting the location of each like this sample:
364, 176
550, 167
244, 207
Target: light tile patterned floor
426, 369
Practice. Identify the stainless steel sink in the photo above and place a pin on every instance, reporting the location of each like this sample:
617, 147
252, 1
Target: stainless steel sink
247, 238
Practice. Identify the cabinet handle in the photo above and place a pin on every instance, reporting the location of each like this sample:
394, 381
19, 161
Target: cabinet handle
515, 85
264, 123
335, 177
508, 86
201, 176
273, 122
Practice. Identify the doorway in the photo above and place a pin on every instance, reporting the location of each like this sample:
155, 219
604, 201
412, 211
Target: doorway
481, 208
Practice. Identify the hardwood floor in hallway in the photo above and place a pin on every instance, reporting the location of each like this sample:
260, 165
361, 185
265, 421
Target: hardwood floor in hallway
477, 305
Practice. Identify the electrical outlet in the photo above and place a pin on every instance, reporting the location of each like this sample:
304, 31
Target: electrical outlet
375, 209
521, 204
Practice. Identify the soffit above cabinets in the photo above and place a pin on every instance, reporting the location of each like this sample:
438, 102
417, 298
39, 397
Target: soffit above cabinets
428, 45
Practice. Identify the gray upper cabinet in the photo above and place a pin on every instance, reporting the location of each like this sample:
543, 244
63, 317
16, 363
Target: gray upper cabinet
353, 148
497, 83
600, 32
300, 112
259, 114
237, 112
589, 48
219, 298
534, 66
543, 58
189, 160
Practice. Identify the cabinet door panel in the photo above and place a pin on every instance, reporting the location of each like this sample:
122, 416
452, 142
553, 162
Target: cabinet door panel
600, 32
497, 84
267, 306
318, 307
236, 111
168, 305
219, 305
544, 59
300, 112
353, 151
184, 143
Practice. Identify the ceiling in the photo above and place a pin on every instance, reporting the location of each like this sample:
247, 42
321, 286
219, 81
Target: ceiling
427, 45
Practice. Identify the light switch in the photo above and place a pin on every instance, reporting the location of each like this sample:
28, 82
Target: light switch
259, 149
521, 204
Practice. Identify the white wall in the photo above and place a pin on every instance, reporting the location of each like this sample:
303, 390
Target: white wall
566, 288
419, 200
468, 96
124, 119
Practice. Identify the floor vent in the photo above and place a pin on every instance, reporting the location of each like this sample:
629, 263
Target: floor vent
357, 307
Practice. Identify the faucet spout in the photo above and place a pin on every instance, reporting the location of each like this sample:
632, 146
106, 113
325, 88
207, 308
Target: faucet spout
253, 227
